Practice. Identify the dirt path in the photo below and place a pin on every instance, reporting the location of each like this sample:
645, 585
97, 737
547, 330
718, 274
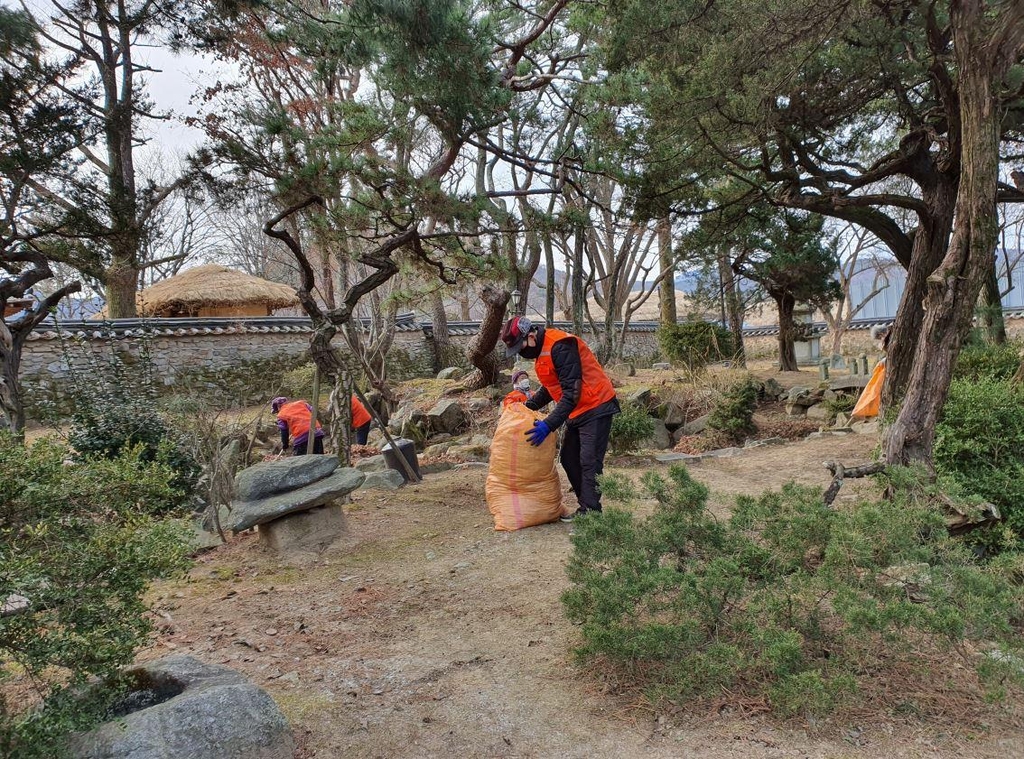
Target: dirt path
429, 634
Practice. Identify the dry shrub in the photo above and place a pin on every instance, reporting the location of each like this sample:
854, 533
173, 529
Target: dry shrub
788, 428
709, 440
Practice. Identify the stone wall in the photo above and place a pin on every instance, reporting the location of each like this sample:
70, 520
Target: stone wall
242, 357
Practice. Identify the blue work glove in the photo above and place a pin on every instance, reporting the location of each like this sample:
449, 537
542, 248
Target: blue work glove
539, 433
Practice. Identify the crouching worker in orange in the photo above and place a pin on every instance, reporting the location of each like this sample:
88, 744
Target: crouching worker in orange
570, 375
293, 418
521, 392
360, 421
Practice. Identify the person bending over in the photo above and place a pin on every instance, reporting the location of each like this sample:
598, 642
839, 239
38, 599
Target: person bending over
293, 418
585, 402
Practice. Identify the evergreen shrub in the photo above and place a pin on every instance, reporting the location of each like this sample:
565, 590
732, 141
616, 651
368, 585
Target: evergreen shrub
630, 429
79, 542
979, 445
113, 397
695, 344
733, 414
980, 360
785, 601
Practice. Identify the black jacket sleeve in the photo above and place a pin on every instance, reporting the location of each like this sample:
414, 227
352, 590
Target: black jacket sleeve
565, 355
539, 400
284, 439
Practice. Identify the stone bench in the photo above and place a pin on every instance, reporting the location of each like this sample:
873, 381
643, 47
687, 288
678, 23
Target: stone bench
293, 502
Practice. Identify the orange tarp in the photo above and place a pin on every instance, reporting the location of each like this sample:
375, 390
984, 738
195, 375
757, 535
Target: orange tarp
867, 404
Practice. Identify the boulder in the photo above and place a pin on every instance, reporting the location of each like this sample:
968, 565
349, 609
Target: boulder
842, 420
246, 514
389, 479
198, 720
483, 441
661, 365
372, 464
408, 422
696, 426
659, 439
772, 389
451, 373
304, 531
865, 428
623, 369
797, 393
15, 603
436, 468
438, 449
272, 477
640, 397
201, 539
672, 414
795, 409
478, 405
470, 452
818, 412
447, 416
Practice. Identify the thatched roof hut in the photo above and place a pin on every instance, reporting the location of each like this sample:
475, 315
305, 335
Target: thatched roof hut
16, 306
213, 290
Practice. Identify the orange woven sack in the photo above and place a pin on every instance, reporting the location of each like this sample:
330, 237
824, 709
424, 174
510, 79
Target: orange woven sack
522, 484
870, 397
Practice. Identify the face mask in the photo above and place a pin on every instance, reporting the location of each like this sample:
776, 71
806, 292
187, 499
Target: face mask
524, 386
529, 353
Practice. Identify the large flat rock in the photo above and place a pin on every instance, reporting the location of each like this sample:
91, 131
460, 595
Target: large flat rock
216, 714
246, 514
273, 477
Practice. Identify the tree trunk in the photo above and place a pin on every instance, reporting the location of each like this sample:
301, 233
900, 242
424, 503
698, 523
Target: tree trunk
444, 351
786, 304
121, 280
549, 283
667, 262
952, 290
11, 407
733, 300
930, 243
992, 306
481, 351
578, 299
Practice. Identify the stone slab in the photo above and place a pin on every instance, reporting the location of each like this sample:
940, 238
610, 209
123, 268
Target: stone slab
246, 514
272, 477
671, 458
310, 530
853, 382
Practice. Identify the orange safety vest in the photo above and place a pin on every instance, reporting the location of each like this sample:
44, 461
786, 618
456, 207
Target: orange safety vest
360, 415
516, 396
296, 415
597, 388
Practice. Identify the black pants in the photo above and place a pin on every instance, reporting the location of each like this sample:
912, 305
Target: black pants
300, 450
362, 433
583, 449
